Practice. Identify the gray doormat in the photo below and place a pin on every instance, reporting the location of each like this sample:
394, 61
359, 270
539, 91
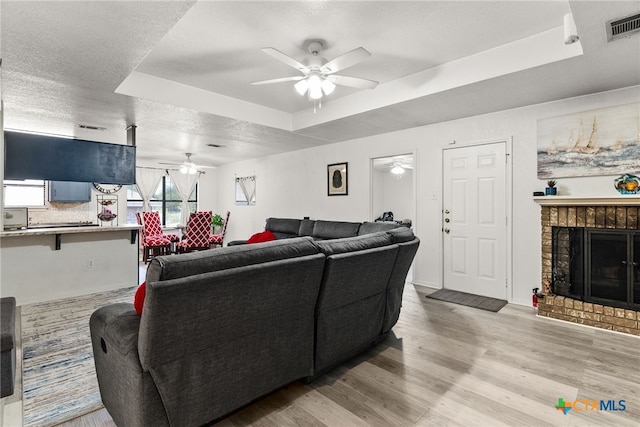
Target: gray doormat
471, 300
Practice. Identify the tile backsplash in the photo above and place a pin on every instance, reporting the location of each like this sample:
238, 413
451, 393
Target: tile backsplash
63, 212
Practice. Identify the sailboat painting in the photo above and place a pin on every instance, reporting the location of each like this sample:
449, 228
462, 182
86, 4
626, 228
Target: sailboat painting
590, 143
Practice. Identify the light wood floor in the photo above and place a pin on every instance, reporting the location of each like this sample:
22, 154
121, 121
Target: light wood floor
450, 365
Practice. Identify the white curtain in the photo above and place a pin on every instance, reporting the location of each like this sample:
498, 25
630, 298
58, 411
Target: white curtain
147, 181
184, 183
248, 186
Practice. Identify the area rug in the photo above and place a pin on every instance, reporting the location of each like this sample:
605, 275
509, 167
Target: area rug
58, 372
471, 300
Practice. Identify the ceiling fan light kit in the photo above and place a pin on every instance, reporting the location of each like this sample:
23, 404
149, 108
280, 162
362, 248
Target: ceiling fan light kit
188, 169
397, 170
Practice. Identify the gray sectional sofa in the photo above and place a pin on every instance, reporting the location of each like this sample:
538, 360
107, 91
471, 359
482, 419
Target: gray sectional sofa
221, 328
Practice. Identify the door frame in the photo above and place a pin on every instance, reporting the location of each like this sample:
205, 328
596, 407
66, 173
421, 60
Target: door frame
508, 146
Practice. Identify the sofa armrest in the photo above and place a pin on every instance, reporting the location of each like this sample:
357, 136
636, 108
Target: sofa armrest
8, 342
117, 327
8, 324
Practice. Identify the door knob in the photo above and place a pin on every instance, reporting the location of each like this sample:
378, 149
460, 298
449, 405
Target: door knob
446, 230
447, 220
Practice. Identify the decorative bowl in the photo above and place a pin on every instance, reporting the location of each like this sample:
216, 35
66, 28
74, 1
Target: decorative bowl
106, 216
627, 184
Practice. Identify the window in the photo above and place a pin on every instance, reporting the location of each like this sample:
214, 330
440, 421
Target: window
28, 192
246, 190
166, 200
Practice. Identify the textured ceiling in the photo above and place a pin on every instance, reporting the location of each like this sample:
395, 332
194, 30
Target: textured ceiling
180, 71
403, 38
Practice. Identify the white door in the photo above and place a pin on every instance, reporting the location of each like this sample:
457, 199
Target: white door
475, 220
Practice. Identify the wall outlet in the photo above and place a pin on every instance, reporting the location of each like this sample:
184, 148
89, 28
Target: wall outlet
91, 263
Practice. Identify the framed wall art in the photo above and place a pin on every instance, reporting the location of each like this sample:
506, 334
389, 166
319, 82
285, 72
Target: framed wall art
338, 179
591, 143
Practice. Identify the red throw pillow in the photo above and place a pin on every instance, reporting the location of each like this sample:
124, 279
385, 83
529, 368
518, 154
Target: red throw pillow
138, 299
265, 236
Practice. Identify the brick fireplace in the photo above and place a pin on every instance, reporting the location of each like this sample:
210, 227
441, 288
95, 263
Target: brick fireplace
607, 214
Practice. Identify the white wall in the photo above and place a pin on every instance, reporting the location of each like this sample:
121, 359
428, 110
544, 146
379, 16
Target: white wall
294, 184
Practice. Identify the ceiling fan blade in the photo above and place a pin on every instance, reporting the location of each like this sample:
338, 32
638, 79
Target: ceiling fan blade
345, 61
286, 59
283, 79
169, 164
352, 81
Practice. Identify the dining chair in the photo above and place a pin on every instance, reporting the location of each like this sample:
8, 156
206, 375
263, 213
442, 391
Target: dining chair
197, 233
153, 227
217, 239
152, 245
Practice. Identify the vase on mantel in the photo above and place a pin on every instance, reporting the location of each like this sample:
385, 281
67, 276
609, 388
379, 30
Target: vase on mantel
551, 189
627, 184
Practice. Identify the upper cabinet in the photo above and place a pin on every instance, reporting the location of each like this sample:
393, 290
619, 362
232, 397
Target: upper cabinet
69, 192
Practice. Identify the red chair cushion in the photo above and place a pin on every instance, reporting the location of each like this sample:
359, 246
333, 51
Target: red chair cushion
265, 236
156, 241
138, 299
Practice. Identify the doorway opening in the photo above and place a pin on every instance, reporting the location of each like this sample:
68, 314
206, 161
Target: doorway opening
393, 196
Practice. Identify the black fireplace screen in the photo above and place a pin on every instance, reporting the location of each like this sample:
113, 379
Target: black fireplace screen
597, 265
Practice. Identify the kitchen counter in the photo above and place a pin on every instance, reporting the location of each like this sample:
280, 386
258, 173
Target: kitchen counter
67, 230
43, 264
59, 231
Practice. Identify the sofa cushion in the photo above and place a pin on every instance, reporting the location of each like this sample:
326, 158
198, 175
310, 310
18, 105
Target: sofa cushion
401, 234
265, 236
283, 226
374, 227
352, 244
306, 227
334, 229
172, 267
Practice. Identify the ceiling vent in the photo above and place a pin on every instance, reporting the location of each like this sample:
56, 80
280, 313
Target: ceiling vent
90, 127
624, 27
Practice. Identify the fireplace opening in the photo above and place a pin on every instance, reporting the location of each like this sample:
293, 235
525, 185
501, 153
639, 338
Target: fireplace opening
597, 265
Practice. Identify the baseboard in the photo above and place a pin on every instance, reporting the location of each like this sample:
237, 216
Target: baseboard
424, 287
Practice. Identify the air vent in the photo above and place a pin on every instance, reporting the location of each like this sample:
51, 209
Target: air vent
624, 27
89, 127
215, 145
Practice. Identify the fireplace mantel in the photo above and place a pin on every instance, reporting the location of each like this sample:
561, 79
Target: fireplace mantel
587, 201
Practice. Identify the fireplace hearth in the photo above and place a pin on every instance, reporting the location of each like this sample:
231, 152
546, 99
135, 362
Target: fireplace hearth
591, 256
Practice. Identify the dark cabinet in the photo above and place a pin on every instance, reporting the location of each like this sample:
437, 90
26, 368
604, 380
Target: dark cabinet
69, 192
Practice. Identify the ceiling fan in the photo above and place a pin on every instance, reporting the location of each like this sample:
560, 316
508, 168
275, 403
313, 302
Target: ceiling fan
397, 165
188, 166
318, 76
